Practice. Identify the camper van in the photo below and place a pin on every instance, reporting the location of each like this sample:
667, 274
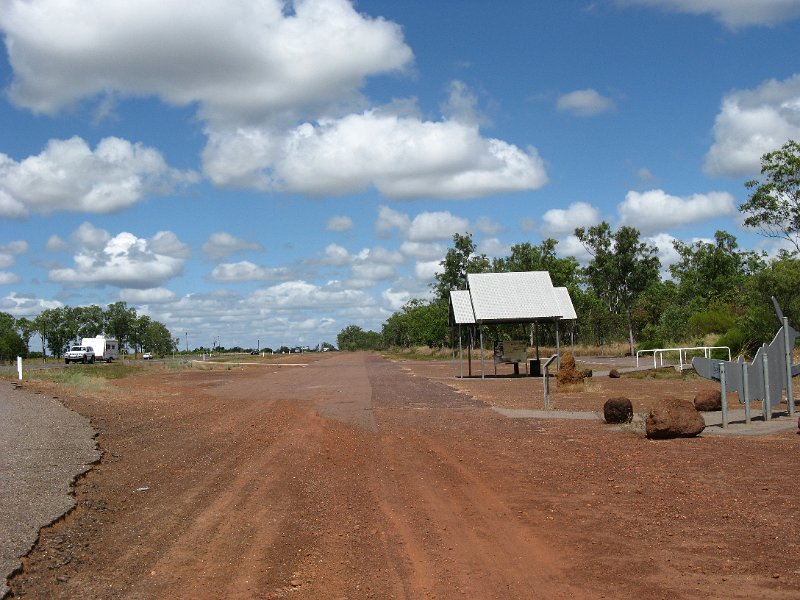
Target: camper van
104, 348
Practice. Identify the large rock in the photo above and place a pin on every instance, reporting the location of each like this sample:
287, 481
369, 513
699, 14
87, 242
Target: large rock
618, 410
708, 400
568, 373
614, 374
672, 418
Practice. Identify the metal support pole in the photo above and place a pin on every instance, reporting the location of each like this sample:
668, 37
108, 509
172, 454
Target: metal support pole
767, 408
480, 331
558, 348
746, 392
546, 385
787, 344
460, 354
723, 395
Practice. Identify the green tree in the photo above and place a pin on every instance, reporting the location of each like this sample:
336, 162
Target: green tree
419, 324
158, 339
564, 272
622, 267
458, 262
781, 279
354, 338
90, 321
138, 333
11, 344
713, 272
58, 329
119, 322
773, 207
26, 329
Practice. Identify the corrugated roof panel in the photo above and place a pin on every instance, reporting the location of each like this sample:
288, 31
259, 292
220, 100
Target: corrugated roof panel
462, 307
567, 309
521, 296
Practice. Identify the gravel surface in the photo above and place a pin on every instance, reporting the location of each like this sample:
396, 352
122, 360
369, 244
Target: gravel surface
356, 477
43, 448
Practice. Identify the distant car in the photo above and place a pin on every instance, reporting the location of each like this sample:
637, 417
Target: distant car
147, 356
255, 352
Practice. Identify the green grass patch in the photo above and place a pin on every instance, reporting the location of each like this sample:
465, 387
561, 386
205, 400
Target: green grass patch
81, 375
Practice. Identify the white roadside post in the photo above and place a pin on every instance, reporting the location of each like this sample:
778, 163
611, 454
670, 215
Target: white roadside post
19, 367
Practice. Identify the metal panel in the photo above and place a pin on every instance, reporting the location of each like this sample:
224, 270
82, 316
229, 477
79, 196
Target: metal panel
756, 383
567, 309
461, 305
503, 297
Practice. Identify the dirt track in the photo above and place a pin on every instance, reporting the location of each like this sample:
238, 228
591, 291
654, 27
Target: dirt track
350, 478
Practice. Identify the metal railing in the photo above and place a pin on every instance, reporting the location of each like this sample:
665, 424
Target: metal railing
658, 354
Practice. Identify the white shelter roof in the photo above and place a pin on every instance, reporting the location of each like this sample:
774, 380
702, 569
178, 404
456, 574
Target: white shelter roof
461, 308
514, 297
567, 309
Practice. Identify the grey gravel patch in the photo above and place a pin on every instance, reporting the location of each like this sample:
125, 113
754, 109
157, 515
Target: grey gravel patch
524, 413
780, 422
43, 448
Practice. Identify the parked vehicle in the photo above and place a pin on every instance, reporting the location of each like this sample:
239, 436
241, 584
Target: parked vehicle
147, 356
105, 349
83, 354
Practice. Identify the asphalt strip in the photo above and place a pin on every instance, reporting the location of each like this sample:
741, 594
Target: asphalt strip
44, 447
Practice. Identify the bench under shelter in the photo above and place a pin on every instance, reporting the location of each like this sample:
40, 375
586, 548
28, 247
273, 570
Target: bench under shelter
523, 297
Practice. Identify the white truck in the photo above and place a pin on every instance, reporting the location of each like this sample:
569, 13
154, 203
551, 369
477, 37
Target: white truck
82, 354
105, 349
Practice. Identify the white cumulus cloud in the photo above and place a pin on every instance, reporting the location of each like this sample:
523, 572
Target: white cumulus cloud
69, 176
123, 260
558, 221
247, 271
752, 123
402, 157
732, 13
239, 60
157, 295
339, 223
584, 103
299, 295
436, 226
221, 245
655, 209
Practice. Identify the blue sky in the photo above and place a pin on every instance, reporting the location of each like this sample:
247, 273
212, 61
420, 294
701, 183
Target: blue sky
273, 172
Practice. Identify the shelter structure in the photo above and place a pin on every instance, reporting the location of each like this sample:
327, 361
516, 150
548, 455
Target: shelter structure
508, 298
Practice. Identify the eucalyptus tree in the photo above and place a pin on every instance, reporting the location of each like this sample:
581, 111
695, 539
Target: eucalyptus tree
26, 329
622, 267
11, 344
713, 272
773, 207
459, 261
119, 322
564, 272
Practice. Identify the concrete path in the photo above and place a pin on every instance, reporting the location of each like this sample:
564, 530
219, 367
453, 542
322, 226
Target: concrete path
43, 448
736, 420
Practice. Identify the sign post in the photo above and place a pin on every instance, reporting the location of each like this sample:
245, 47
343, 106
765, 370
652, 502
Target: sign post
19, 367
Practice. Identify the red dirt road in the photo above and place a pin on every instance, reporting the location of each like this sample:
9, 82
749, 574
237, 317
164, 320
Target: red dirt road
351, 478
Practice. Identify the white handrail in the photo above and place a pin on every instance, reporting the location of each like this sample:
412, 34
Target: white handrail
659, 353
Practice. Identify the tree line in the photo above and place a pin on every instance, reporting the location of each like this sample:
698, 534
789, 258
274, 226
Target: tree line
58, 328
716, 293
